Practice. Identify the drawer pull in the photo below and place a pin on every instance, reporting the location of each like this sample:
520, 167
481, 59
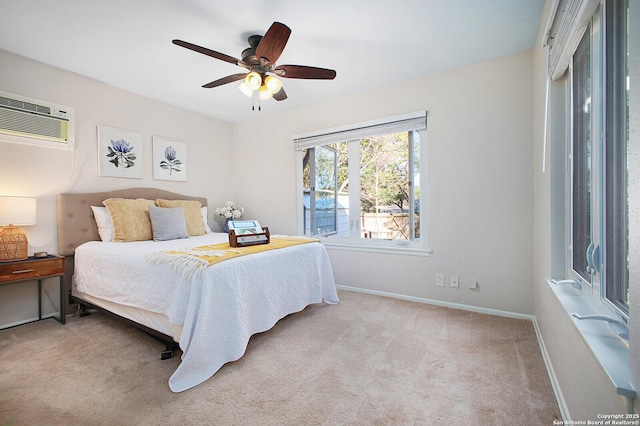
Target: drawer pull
24, 271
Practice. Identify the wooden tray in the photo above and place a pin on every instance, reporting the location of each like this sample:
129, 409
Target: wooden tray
245, 240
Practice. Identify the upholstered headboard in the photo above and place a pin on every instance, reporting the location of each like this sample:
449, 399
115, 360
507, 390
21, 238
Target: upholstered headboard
76, 224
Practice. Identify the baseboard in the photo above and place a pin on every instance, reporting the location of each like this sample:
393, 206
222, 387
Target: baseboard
29, 320
440, 303
555, 384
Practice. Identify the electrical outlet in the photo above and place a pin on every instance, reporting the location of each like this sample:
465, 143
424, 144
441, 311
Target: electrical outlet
454, 281
440, 280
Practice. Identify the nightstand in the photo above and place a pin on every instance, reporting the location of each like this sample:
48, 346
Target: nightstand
35, 268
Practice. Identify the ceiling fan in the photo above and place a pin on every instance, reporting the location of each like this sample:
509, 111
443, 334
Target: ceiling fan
260, 60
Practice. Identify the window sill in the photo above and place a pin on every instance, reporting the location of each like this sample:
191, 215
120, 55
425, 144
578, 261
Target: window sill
402, 250
611, 351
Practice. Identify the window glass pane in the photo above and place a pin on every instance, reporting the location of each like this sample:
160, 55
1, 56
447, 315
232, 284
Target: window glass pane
416, 182
325, 190
307, 155
616, 156
342, 151
581, 155
384, 187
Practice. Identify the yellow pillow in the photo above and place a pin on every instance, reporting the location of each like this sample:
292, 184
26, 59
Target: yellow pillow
192, 212
130, 218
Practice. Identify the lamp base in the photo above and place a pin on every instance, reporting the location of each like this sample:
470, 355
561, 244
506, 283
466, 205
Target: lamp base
13, 244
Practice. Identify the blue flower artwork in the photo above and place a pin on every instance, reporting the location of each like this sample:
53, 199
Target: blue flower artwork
120, 153
171, 162
169, 159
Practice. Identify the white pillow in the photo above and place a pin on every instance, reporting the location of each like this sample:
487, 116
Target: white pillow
207, 229
103, 220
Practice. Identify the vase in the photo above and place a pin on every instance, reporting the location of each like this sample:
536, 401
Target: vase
226, 224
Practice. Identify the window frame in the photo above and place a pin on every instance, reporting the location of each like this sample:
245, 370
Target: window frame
599, 289
313, 190
616, 123
415, 247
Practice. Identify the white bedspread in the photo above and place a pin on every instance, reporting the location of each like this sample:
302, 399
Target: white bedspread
235, 299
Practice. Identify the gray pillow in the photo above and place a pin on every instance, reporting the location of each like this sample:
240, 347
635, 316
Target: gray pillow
168, 223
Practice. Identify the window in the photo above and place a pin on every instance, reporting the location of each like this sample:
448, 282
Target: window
361, 186
582, 159
598, 157
616, 154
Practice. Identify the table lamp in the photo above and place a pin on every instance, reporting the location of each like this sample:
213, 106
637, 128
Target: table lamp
14, 212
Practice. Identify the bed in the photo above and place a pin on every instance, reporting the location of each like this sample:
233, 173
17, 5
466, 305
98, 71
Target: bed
211, 311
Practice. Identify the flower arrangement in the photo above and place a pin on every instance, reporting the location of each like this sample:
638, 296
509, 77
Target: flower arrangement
229, 211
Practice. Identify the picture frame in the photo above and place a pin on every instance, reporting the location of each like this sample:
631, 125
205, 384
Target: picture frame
169, 159
119, 153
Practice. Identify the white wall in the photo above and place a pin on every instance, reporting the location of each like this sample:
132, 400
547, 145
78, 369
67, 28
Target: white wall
585, 389
479, 190
45, 172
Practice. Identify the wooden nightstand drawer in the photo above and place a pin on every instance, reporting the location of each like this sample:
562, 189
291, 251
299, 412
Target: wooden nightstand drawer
31, 269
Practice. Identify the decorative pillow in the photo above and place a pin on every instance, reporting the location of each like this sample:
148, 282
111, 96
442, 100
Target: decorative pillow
168, 223
192, 213
103, 220
204, 212
130, 219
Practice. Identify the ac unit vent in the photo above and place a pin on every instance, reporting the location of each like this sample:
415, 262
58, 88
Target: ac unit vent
25, 106
28, 118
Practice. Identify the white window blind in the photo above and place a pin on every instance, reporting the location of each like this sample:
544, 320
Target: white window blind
565, 31
361, 131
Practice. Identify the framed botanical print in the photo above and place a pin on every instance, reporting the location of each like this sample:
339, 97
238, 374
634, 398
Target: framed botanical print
119, 153
169, 159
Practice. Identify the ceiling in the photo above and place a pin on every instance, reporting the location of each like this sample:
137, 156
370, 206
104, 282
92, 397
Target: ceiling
370, 43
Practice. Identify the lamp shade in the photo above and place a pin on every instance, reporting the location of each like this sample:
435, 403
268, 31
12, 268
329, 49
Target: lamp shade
18, 211
245, 89
273, 84
265, 93
253, 80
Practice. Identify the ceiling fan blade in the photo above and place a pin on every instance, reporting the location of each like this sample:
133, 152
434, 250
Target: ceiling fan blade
302, 71
210, 52
225, 80
280, 95
273, 42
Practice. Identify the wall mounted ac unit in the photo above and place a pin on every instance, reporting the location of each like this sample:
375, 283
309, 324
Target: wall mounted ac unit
26, 120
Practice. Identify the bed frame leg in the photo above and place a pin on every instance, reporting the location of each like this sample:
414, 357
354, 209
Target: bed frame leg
168, 351
82, 311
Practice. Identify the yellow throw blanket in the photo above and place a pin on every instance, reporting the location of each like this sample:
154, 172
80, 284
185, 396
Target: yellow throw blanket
196, 259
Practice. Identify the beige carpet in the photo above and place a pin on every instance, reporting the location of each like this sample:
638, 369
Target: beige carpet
368, 361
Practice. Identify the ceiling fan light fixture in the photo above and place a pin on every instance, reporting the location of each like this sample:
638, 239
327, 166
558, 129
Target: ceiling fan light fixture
273, 84
265, 93
244, 88
253, 80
